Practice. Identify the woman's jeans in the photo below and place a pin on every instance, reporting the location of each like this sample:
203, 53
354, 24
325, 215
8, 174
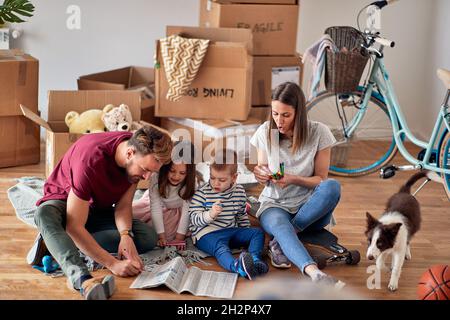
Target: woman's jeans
314, 214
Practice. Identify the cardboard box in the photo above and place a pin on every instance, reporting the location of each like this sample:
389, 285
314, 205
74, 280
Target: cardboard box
207, 135
262, 113
222, 87
274, 26
270, 71
20, 142
19, 74
58, 138
128, 78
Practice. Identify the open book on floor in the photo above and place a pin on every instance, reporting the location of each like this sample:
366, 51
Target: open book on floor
179, 278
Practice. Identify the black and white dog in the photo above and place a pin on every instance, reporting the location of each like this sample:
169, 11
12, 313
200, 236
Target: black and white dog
391, 234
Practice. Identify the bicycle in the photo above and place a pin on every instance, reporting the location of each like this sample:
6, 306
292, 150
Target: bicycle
368, 123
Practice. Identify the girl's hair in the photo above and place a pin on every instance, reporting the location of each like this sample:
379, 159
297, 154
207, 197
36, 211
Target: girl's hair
182, 152
291, 94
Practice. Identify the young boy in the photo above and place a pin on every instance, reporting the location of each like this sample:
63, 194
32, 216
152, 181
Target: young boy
219, 220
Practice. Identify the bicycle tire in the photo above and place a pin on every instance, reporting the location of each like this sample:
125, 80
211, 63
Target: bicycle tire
377, 164
444, 161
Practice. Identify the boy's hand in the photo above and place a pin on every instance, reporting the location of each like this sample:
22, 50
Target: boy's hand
216, 209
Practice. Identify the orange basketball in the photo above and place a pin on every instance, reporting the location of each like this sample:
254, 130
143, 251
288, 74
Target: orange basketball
435, 284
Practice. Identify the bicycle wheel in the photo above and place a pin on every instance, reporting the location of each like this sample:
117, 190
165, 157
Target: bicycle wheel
444, 161
372, 144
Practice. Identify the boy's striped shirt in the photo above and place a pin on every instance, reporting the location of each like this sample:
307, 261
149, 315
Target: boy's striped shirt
233, 214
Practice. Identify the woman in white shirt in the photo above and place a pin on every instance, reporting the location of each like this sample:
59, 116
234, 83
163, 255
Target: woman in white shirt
304, 198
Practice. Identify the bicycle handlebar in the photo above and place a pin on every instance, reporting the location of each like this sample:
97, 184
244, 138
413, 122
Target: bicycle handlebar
385, 42
371, 37
381, 4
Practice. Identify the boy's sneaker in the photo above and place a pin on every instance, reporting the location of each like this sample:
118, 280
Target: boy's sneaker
37, 251
260, 265
98, 288
244, 266
277, 257
328, 280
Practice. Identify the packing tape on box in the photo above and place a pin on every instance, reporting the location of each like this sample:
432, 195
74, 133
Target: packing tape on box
261, 91
17, 54
22, 78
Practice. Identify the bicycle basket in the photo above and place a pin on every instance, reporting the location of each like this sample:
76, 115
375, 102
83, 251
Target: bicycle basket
345, 67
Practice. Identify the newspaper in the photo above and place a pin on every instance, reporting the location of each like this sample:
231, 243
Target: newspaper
179, 278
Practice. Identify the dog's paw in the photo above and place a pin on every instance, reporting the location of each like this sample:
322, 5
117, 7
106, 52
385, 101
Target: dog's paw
408, 256
393, 285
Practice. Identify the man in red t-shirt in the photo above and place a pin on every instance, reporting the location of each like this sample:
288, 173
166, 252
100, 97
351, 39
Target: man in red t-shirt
87, 207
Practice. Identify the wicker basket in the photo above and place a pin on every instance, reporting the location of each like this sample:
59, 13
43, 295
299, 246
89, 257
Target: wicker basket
345, 68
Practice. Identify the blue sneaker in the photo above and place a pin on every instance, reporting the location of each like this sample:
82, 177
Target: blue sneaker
244, 266
260, 265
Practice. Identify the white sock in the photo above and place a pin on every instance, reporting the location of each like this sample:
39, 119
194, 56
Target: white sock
315, 274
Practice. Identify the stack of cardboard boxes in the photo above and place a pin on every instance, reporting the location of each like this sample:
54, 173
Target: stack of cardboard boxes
274, 26
215, 109
252, 49
19, 74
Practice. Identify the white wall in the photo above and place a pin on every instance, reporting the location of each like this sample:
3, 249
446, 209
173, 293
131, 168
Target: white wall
114, 33
439, 57
407, 22
119, 33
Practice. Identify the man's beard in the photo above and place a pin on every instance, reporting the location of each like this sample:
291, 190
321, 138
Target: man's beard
131, 178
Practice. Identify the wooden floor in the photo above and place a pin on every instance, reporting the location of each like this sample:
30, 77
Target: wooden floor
431, 245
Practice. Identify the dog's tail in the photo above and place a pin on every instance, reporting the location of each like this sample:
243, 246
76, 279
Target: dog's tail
419, 175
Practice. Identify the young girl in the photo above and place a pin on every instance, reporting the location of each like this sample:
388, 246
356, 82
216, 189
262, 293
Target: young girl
165, 204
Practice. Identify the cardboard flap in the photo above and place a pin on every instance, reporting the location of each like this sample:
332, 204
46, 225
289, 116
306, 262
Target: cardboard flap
11, 54
118, 79
61, 102
34, 117
239, 35
86, 84
141, 76
119, 76
15, 55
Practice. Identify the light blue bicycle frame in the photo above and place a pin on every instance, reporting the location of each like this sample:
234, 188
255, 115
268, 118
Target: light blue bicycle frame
380, 77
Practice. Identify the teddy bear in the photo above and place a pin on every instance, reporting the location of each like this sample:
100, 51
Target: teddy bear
117, 118
89, 121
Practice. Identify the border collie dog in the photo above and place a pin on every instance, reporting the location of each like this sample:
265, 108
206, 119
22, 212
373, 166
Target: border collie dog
391, 234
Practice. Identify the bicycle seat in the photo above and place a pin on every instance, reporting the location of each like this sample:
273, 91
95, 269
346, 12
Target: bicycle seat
444, 75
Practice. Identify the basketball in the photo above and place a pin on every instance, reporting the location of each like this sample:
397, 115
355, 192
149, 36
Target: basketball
434, 284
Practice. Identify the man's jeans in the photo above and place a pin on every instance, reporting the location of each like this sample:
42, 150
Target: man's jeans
50, 219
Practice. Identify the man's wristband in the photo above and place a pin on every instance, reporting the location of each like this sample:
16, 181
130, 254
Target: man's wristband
127, 233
